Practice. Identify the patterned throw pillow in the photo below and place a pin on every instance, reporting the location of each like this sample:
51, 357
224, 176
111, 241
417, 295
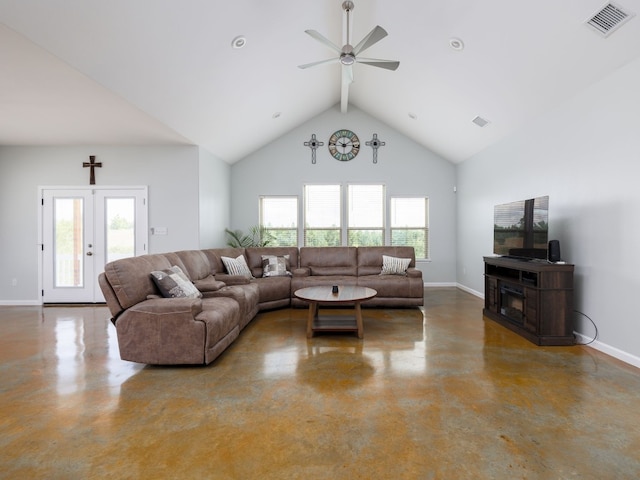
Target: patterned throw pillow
237, 266
394, 265
173, 283
275, 266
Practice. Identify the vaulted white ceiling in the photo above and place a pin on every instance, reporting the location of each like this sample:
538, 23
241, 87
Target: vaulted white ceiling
164, 72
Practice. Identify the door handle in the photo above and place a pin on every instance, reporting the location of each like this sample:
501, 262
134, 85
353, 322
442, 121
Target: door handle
89, 254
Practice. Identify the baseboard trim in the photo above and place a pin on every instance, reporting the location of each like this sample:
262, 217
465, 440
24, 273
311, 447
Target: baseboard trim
469, 290
20, 303
439, 284
609, 350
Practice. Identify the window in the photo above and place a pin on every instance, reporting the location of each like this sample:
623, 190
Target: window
322, 215
365, 215
279, 218
409, 217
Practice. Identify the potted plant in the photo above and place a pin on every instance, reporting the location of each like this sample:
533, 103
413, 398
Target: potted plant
258, 236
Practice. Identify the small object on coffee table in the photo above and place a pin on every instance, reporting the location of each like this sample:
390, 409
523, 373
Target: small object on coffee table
347, 294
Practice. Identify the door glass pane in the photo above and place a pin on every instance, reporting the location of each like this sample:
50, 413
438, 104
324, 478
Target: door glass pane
120, 223
68, 250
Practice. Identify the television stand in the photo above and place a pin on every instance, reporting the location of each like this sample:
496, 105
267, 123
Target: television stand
533, 299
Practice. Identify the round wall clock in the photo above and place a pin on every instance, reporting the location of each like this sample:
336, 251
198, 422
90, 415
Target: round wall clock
344, 145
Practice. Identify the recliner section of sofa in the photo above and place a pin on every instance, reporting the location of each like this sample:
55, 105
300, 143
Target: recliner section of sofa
157, 330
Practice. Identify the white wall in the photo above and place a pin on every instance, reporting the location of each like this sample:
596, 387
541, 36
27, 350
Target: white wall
406, 168
586, 156
171, 173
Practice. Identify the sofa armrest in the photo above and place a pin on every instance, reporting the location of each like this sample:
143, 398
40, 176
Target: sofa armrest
169, 306
232, 279
163, 331
209, 284
414, 272
301, 272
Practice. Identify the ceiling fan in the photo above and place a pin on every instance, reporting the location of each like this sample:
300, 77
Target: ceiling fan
348, 54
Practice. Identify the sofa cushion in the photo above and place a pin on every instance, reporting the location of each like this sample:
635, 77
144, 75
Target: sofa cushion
173, 283
237, 266
214, 256
209, 284
254, 257
370, 258
276, 266
394, 265
273, 289
130, 280
329, 260
196, 264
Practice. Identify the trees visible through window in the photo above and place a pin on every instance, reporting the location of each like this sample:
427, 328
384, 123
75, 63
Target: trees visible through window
279, 218
322, 216
365, 223
409, 222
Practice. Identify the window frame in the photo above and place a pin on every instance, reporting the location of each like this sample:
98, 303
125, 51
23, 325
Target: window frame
347, 226
296, 229
306, 229
426, 227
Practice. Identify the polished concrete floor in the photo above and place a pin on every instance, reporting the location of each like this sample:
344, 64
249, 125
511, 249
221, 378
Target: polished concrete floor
432, 393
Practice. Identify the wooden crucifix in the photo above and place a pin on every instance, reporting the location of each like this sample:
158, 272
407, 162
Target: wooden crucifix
92, 164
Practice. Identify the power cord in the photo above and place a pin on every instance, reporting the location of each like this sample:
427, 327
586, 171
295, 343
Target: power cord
594, 326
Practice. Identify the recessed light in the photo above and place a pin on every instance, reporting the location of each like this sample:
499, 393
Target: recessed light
456, 44
239, 42
412, 116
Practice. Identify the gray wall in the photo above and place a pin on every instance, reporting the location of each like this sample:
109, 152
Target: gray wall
406, 168
171, 173
586, 156
215, 190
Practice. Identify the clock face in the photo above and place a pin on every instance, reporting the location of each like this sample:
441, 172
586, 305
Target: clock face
344, 145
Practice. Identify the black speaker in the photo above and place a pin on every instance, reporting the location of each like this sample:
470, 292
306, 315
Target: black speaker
554, 251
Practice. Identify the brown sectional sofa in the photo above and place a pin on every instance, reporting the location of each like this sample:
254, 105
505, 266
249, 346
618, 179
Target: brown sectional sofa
360, 266
164, 331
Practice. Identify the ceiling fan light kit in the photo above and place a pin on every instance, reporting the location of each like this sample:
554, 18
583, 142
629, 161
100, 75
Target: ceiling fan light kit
348, 55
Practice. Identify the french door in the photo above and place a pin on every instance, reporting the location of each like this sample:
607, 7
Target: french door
82, 230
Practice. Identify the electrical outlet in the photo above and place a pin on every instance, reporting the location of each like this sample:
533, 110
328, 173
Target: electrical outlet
14, 282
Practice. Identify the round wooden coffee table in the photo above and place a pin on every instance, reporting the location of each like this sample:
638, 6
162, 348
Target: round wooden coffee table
347, 294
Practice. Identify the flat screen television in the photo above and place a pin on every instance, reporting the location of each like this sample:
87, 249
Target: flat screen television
521, 229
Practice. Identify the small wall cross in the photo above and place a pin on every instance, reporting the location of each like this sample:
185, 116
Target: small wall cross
375, 143
92, 164
313, 144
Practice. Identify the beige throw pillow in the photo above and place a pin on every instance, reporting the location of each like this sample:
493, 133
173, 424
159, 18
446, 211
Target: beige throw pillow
394, 265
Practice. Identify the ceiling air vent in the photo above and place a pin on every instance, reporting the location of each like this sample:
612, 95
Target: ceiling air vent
479, 121
609, 19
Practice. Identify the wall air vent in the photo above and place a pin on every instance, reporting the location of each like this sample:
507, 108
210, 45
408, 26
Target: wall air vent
609, 19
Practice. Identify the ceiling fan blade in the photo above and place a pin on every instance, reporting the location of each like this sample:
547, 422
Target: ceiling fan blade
344, 98
322, 39
374, 36
347, 74
313, 64
347, 79
375, 62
